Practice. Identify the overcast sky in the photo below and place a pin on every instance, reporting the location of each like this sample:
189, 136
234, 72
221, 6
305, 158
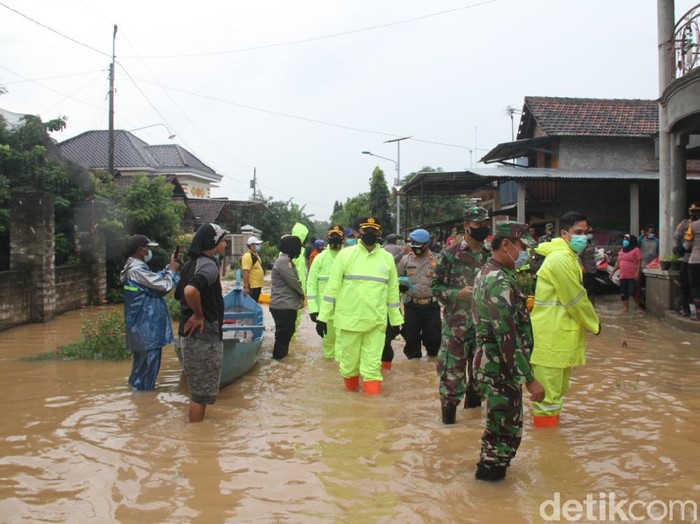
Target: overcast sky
298, 89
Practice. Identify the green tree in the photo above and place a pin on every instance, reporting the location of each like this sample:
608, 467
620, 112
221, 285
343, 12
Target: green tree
279, 220
354, 208
379, 199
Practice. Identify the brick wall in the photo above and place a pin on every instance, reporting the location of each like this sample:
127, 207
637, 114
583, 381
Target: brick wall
73, 286
15, 303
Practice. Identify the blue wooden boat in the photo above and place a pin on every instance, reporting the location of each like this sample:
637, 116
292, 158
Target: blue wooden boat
243, 334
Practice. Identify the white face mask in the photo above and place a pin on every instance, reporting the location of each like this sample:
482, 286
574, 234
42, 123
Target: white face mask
148, 257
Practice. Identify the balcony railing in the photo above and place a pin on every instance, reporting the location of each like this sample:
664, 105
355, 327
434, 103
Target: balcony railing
687, 41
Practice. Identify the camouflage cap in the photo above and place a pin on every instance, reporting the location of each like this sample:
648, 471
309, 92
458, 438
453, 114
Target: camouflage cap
514, 230
549, 225
475, 214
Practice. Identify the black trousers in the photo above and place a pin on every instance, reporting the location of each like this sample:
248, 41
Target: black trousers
422, 325
254, 293
684, 289
285, 325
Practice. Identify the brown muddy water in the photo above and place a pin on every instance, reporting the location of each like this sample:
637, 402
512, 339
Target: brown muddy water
287, 444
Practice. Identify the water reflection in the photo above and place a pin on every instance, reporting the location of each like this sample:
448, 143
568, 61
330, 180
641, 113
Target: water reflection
287, 443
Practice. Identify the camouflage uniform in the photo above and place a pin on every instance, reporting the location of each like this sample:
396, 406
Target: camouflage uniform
502, 359
457, 268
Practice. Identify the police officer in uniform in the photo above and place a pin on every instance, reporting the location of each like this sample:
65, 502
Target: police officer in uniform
452, 286
422, 322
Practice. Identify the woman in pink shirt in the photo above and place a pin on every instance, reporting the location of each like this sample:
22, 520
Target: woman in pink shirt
629, 262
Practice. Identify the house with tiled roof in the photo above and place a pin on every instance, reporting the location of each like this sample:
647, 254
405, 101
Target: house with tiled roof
132, 155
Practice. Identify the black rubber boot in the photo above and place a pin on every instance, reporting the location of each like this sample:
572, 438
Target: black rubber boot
490, 474
449, 414
472, 400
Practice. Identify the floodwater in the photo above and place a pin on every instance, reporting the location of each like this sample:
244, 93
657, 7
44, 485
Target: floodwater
286, 443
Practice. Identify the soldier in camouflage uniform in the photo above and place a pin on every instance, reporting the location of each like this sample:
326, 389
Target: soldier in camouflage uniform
503, 345
452, 286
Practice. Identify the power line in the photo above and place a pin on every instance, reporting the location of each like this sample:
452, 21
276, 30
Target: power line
54, 77
323, 37
54, 30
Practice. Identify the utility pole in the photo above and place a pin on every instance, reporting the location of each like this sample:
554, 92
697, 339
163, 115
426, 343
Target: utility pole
397, 182
665, 15
110, 147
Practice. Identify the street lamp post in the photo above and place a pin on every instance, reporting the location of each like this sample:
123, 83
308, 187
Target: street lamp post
397, 181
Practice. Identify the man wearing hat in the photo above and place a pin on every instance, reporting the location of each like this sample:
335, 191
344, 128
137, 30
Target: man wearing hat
319, 247
202, 318
362, 291
684, 298
316, 283
503, 346
146, 315
548, 233
691, 244
253, 272
422, 324
452, 286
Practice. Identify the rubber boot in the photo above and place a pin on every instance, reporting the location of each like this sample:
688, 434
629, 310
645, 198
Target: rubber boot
490, 473
372, 387
449, 414
352, 383
386, 365
544, 421
472, 400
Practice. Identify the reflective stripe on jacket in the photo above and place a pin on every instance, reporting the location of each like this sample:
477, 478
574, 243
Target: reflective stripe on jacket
562, 312
363, 288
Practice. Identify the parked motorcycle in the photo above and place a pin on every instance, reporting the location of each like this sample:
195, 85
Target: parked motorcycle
605, 276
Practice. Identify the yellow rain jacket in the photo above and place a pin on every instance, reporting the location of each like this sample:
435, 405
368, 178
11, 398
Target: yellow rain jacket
562, 312
316, 282
301, 232
363, 288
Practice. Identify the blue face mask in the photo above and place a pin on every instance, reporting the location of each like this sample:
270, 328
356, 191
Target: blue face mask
148, 257
522, 259
351, 242
625, 243
578, 242
258, 247
650, 235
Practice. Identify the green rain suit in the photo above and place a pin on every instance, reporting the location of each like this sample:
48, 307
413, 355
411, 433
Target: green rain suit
301, 232
363, 288
560, 319
316, 282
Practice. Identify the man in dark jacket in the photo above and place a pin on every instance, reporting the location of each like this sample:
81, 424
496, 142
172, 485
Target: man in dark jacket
146, 314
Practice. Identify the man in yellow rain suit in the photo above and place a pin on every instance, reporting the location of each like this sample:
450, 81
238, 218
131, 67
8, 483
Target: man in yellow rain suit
561, 317
363, 288
316, 282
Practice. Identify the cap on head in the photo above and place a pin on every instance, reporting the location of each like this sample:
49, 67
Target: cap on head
391, 239
515, 231
420, 236
694, 209
137, 241
370, 222
336, 230
549, 226
319, 243
475, 214
253, 240
349, 231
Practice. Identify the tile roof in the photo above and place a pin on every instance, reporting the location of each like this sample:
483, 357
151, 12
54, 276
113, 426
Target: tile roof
589, 117
89, 149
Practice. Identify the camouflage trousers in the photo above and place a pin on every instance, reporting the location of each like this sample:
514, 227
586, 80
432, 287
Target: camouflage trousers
504, 423
455, 366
